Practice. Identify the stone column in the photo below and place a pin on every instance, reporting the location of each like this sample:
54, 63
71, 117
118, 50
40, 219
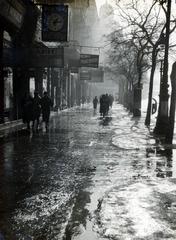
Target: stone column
39, 81
20, 88
65, 85
73, 91
49, 80
58, 89
52, 85
69, 89
78, 92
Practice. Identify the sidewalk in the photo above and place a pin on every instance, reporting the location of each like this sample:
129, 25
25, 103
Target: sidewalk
88, 178
12, 126
9, 127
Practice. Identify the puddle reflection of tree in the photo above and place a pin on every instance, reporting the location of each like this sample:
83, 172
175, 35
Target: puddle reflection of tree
164, 162
164, 169
79, 215
136, 121
8, 194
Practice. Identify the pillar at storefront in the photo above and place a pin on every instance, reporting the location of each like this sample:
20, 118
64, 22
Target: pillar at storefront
65, 88
57, 97
39, 80
78, 92
49, 81
84, 92
58, 89
61, 88
73, 91
20, 88
54, 86
69, 89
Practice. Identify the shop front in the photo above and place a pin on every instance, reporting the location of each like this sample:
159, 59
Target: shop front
11, 20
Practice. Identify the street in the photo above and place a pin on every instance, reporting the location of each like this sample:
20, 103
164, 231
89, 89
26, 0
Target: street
87, 178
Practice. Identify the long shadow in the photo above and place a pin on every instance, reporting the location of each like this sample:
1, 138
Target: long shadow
164, 167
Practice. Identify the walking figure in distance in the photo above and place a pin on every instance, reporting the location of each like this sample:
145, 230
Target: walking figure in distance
46, 104
95, 102
111, 100
103, 105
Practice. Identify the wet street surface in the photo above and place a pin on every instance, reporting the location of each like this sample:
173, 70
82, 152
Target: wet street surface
87, 178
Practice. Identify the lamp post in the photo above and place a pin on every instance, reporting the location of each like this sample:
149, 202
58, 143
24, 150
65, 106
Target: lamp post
162, 118
161, 59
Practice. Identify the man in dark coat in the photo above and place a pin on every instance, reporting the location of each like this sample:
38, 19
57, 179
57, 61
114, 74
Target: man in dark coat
27, 106
36, 109
46, 104
95, 102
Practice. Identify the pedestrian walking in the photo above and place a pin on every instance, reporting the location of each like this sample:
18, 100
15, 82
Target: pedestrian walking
111, 100
27, 109
46, 104
36, 110
104, 105
95, 102
107, 103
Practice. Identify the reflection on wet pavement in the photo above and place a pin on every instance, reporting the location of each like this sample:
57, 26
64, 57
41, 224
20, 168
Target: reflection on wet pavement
87, 178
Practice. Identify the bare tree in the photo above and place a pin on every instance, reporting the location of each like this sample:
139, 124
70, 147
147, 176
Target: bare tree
138, 29
146, 28
122, 61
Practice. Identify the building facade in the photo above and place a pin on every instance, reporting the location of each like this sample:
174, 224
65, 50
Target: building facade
22, 71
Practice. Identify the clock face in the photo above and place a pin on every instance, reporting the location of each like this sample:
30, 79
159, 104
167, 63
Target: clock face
55, 22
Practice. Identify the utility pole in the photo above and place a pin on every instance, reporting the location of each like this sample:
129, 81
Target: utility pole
162, 118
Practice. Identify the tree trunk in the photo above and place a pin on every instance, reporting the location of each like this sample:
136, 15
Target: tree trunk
170, 132
137, 95
162, 123
148, 115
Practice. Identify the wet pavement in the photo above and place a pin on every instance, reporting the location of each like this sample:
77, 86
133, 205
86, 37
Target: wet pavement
87, 179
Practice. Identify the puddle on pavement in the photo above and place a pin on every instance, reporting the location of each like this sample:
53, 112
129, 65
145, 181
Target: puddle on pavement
88, 178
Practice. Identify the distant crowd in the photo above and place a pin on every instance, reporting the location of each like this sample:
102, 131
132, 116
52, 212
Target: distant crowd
34, 107
106, 101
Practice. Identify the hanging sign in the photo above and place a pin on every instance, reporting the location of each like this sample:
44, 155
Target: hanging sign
34, 57
74, 70
89, 60
55, 23
85, 75
92, 75
43, 57
97, 75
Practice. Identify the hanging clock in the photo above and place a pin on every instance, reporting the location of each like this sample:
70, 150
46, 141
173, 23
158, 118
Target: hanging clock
55, 22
